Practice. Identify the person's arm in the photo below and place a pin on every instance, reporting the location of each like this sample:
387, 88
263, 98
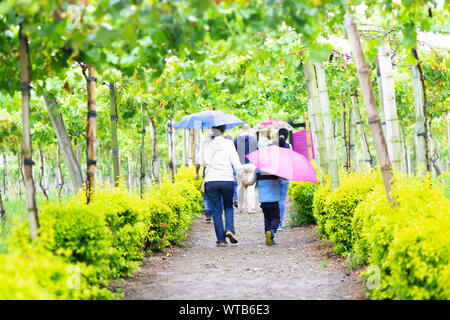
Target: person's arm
251, 181
197, 168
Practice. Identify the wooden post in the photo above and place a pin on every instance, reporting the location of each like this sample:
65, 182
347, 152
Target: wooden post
27, 155
363, 72
393, 138
367, 156
142, 156
91, 131
316, 117
420, 138
5, 174
114, 143
171, 149
155, 159
380, 96
351, 134
344, 138
327, 125
41, 175
73, 164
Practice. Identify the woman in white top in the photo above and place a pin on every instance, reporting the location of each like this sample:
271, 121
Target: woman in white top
218, 155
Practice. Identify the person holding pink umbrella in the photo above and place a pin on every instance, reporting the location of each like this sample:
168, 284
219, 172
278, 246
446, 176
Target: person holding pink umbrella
272, 163
269, 197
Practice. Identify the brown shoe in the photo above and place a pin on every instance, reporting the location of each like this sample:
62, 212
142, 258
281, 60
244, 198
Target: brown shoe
208, 219
230, 235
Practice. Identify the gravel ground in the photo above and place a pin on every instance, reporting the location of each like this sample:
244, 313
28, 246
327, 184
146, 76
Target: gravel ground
299, 266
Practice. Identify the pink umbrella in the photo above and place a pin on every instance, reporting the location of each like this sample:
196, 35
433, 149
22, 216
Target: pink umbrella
272, 125
284, 163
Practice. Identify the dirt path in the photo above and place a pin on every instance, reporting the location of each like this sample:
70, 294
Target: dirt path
299, 266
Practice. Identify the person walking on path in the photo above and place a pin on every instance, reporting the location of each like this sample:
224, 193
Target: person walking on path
283, 135
219, 157
268, 193
269, 197
245, 144
207, 211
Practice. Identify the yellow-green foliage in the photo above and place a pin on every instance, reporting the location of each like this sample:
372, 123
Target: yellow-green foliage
124, 215
320, 196
103, 240
188, 174
373, 207
302, 195
26, 275
339, 205
76, 232
185, 202
409, 242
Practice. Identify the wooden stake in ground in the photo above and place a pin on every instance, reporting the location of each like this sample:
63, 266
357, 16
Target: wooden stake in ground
142, 155
114, 143
316, 117
393, 138
344, 137
5, 175
91, 132
155, 158
420, 136
171, 149
61, 178
64, 142
2, 209
351, 136
25, 87
41, 176
363, 72
380, 96
367, 156
327, 125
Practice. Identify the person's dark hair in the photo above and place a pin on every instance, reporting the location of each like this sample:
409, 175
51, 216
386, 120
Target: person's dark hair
221, 129
283, 134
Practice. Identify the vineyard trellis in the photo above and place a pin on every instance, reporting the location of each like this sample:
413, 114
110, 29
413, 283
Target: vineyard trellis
380, 97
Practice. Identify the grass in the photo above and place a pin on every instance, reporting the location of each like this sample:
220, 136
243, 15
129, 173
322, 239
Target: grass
16, 213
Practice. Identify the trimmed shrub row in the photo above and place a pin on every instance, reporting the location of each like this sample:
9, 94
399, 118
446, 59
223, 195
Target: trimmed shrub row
81, 248
406, 247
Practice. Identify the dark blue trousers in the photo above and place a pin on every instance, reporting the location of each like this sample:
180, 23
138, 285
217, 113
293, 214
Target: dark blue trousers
218, 191
271, 211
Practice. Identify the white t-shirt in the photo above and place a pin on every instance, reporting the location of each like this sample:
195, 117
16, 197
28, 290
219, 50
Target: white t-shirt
219, 156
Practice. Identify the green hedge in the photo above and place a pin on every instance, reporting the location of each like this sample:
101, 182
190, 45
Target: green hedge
405, 248
302, 195
409, 243
101, 241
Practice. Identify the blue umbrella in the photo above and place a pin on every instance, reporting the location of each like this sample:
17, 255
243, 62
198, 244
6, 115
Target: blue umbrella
208, 119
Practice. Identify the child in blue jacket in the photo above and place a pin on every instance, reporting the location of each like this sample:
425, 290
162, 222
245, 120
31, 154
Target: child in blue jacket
269, 197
